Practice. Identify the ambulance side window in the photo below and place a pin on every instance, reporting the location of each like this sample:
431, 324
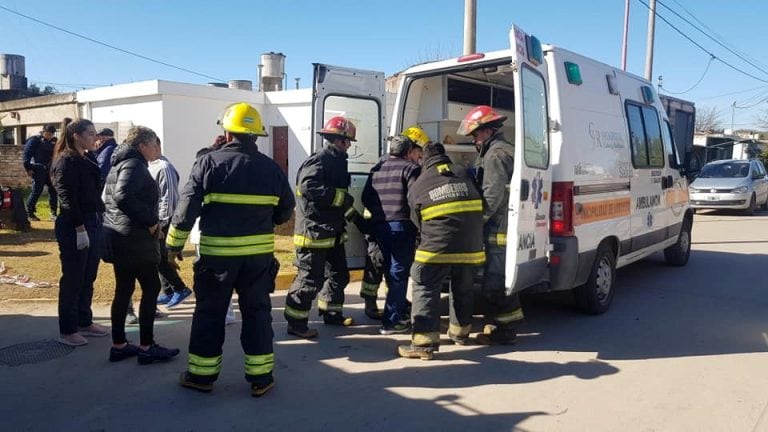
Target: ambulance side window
364, 113
637, 136
645, 136
535, 123
669, 145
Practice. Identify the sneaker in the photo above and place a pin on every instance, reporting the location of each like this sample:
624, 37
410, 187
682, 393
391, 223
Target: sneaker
93, 330
302, 332
337, 319
131, 318
459, 340
164, 298
178, 297
186, 381
118, 354
73, 339
160, 314
417, 352
260, 389
156, 353
402, 327
493, 335
33, 217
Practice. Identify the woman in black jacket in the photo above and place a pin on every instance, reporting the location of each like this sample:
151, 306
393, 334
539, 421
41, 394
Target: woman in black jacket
77, 181
131, 197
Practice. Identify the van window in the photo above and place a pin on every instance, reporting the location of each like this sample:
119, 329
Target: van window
364, 113
645, 136
669, 145
535, 120
472, 93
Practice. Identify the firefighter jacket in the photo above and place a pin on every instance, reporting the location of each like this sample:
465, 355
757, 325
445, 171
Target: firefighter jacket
447, 209
494, 168
239, 195
322, 185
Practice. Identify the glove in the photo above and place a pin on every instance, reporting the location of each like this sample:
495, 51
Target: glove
348, 201
172, 257
82, 240
350, 214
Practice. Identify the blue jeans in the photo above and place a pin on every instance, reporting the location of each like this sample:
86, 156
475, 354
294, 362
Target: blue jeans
78, 271
398, 245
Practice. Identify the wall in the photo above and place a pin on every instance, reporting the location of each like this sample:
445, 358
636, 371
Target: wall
292, 109
11, 170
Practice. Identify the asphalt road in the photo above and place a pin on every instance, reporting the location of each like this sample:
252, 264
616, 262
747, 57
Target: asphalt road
681, 349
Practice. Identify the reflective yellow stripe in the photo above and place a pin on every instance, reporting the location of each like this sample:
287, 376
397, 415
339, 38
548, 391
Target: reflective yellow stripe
295, 313
443, 168
498, 239
259, 364
237, 250
328, 307
176, 237
424, 339
205, 366
306, 242
367, 288
367, 214
251, 240
450, 208
515, 315
338, 199
227, 198
426, 257
349, 213
457, 330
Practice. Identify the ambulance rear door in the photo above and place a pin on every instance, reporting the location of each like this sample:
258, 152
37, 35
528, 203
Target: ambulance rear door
359, 96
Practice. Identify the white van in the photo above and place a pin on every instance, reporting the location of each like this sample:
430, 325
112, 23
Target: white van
597, 182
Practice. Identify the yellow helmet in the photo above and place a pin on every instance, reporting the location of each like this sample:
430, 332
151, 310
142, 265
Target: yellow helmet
242, 118
417, 135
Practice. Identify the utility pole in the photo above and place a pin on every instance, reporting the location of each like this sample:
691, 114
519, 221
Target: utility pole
626, 35
649, 46
470, 25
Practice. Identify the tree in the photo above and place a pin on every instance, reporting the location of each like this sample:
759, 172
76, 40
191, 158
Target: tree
708, 119
34, 90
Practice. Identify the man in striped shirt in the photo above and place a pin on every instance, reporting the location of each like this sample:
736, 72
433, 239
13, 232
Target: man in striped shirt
385, 196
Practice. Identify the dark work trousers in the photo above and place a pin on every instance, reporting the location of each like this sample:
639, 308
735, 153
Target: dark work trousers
505, 310
322, 273
126, 275
374, 269
170, 281
41, 178
253, 277
398, 244
78, 271
428, 280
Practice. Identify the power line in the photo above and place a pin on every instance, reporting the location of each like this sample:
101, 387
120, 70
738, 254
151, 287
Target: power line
733, 93
712, 38
701, 47
143, 57
706, 69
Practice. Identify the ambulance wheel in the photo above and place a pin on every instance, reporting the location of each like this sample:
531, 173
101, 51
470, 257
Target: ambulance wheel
677, 254
595, 296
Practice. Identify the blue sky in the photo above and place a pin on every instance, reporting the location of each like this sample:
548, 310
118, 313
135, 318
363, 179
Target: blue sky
224, 39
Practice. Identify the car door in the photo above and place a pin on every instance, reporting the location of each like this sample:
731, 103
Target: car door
528, 210
359, 96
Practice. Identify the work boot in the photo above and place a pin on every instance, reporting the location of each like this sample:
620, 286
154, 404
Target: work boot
186, 381
259, 389
372, 310
459, 340
417, 352
336, 319
493, 335
302, 331
33, 217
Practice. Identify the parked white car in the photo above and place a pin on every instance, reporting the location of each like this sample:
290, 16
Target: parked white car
730, 184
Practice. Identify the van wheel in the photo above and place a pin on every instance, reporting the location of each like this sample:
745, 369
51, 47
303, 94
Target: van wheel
677, 254
750, 211
595, 296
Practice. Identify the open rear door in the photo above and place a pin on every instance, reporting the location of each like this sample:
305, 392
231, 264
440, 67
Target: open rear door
528, 230
359, 96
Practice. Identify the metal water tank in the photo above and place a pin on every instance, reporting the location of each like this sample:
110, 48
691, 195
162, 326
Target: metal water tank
218, 84
12, 64
241, 84
272, 71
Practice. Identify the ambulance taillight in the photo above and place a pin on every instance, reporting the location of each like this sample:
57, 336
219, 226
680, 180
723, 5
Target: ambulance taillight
561, 210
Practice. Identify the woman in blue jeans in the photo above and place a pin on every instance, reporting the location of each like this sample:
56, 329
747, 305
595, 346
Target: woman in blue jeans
77, 180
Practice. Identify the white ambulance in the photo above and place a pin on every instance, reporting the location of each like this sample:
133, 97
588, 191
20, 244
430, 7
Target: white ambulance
598, 182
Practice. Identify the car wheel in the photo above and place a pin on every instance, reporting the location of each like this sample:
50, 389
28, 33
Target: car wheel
595, 296
765, 204
752, 206
677, 254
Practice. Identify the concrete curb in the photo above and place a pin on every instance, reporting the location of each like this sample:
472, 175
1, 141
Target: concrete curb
284, 280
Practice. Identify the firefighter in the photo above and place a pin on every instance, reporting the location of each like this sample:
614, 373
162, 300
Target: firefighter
493, 172
448, 210
240, 195
374, 260
324, 206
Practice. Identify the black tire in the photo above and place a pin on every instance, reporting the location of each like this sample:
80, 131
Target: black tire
750, 211
765, 204
595, 296
677, 255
